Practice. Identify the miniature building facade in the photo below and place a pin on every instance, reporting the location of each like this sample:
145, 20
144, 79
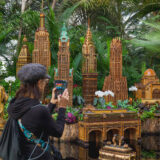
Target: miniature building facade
89, 68
115, 82
41, 53
149, 88
104, 124
3, 100
64, 72
24, 56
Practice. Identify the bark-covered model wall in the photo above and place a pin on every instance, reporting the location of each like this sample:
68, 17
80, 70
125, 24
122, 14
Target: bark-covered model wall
89, 68
115, 82
64, 72
24, 56
41, 53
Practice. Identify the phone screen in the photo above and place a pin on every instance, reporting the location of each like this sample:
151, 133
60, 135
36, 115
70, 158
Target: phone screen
60, 86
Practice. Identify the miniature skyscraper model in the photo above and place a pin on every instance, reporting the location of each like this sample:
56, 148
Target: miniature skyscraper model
24, 56
41, 53
64, 72
89, 68
115, 82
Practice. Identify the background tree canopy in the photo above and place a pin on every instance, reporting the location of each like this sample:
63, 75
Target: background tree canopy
137, 22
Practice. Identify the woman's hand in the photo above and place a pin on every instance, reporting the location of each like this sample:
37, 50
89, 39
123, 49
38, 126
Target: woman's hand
63, 99
53, 100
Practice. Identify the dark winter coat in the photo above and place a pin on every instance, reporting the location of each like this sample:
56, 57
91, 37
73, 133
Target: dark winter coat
36, 120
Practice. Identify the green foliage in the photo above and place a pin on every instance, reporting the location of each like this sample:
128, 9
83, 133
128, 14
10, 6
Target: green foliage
143, 67
5, 108
77, 96
55, 116
135, 108
77, 91
53, 27
136, 103
100, 103
76, 112
11, 89
69, 11
123, 104
148, 154
148, 114
149, 40
130, 107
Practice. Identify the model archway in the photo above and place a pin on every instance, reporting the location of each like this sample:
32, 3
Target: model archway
95, 136
110, 133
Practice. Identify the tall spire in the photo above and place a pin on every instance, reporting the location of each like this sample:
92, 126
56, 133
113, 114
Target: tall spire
41, 53
88, 39
42, 18
89, 22
89, 68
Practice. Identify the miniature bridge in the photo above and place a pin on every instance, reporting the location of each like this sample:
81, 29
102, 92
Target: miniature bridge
101, 125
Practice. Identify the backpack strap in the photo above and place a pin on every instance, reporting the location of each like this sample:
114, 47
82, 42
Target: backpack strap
32, 138
36, 105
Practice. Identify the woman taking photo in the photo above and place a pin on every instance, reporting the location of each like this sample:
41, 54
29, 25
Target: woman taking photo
34, 119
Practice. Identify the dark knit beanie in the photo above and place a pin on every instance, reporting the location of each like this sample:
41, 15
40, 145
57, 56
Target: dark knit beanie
31, 73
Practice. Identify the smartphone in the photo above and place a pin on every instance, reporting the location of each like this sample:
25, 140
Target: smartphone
60, 86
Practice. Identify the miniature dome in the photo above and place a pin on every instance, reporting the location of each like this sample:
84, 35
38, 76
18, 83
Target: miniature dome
149, 72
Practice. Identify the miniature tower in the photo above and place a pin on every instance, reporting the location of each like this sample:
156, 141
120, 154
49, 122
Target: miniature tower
41, 53
115, 82
64, 72
89, 68
24, 56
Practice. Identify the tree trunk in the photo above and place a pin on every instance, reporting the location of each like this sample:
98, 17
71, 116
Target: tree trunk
23, 6
53, 4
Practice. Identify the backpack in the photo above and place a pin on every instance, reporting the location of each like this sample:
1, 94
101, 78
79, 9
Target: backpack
9, 141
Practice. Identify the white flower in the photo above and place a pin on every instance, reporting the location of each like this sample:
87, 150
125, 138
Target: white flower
99, 93
106, 93
10, 79
3, 68
109, 93
133, 88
